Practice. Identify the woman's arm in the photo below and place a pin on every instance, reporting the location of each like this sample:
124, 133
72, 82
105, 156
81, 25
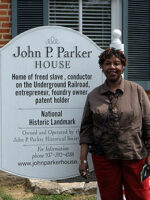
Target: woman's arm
86, 138
148, 152
83, 167
84, 152
145, 106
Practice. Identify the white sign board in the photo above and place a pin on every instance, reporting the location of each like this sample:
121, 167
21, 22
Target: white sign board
46, 74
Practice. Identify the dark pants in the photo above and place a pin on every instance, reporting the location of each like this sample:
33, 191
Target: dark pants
112, 175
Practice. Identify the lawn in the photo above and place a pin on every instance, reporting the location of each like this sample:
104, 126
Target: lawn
19, 193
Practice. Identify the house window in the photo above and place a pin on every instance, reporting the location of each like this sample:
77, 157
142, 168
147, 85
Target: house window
90, 17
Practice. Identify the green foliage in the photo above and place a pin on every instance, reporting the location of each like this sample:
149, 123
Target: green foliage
51, 197
4, 196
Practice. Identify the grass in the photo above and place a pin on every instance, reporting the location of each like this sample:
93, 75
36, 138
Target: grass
4, 196
50, 197
19, 193
60, 197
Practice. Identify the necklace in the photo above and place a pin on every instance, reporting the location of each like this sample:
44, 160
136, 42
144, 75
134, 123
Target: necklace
113, 112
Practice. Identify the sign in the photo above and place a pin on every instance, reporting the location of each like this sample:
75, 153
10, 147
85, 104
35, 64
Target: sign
46, 74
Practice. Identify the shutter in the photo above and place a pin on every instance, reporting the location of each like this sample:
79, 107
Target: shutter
97, 21
29, 14
139, 41
64, 13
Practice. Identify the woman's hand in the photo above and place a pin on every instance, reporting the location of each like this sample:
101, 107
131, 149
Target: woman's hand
84, 169
148, 159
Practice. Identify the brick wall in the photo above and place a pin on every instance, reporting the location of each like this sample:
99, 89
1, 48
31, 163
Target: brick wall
5, 22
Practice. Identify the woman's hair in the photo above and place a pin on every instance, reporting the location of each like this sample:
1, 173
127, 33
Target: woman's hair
108, 53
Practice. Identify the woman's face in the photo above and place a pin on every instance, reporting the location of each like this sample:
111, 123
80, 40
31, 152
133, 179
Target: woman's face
112, 69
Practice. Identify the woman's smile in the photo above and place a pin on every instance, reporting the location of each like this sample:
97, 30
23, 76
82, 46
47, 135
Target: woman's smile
112, 69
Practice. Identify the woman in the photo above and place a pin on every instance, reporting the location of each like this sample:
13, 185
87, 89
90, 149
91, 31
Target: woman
116, 123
